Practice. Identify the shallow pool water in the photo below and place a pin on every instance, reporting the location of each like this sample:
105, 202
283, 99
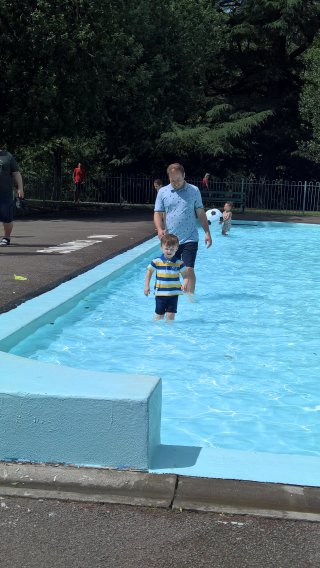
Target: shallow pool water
240, 367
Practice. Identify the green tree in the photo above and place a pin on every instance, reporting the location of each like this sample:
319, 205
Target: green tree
131, 84
89, 70
252, 122
310, 104
51, 79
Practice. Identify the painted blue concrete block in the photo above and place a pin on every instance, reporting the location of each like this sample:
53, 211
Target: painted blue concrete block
56, 414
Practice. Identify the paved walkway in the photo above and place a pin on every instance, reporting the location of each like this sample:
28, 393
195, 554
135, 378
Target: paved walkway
53, 534
50, 250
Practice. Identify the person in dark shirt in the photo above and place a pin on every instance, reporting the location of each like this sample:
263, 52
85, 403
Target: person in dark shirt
9, 176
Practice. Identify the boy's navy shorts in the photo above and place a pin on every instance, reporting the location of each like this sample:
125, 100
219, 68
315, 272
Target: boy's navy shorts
187, 252
165, 304
6, 207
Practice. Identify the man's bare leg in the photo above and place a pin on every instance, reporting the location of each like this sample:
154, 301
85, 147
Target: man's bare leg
7, 227
191, 280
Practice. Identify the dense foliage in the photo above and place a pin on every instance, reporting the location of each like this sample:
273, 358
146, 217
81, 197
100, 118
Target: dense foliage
310, 104
224, 86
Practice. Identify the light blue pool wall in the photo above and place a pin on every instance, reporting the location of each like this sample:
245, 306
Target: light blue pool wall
53, 414
63, 415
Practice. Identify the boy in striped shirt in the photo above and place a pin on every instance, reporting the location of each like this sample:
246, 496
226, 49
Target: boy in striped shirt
167, 286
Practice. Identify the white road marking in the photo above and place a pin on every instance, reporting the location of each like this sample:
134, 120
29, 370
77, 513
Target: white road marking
102, 236
66, 248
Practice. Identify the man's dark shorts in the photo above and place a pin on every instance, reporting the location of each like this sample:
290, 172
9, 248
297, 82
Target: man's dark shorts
6, 207
187, 252
165, 304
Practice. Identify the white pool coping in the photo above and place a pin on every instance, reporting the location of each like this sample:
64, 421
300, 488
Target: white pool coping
182, 460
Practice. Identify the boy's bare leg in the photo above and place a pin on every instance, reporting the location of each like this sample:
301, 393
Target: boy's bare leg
170, 316
158, 317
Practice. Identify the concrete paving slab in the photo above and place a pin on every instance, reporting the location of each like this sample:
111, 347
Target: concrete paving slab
248, 497
98, 485
86, 484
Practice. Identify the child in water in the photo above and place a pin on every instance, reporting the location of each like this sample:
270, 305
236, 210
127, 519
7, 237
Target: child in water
226, 217
167, 286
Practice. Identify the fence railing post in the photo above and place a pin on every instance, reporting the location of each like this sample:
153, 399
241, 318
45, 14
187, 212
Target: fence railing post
121, 199
278, 195
242, 194
304, 197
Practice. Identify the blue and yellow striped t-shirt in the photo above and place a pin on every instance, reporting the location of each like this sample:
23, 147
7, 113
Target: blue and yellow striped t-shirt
167, 275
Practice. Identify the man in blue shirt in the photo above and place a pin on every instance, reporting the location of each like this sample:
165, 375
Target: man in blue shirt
182, 205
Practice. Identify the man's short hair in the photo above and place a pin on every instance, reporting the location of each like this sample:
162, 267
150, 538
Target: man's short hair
175, 168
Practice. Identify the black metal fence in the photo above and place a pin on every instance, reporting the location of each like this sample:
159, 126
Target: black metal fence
269, 195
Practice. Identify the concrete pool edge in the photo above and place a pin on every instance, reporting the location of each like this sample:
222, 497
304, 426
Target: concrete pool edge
56, 414
170, 491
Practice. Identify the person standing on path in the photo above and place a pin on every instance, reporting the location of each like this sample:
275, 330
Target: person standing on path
79, 177
182, 204
9, 175
205, 182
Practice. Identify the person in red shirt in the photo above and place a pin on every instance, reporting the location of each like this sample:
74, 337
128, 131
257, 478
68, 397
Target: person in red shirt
79, 177
205, 181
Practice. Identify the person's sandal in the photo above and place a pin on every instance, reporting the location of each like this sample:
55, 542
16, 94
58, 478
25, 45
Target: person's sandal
4, 242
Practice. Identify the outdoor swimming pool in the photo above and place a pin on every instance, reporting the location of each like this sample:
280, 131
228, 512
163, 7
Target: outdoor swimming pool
240, 367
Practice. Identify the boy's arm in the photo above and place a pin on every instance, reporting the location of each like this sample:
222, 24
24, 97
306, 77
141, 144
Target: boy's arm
184, 274
147, 282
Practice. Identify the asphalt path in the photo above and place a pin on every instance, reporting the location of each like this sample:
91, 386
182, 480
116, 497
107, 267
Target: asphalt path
55, 534
42, 271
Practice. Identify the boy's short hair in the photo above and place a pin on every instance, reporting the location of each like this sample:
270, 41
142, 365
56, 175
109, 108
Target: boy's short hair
158, 181
229, 203
169, 240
